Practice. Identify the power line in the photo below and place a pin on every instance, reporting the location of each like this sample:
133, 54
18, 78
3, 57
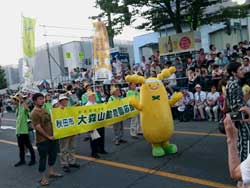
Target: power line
66, 36
68, 28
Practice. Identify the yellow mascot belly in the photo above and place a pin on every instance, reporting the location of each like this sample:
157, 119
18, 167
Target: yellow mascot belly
157, 124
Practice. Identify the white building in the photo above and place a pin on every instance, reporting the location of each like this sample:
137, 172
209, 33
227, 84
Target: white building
146, 45
65, 57
11, 75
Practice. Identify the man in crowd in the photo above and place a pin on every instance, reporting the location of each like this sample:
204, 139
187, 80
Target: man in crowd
22, 130
134, 122
67, 144
117, 127
235, 102
212, 104
1, 110
186, 108
199, 102
117, 65
96, 144
179, 71
246, 64
46, 145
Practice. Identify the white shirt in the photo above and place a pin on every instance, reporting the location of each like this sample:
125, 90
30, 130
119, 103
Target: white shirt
172, 80
118, 67
213, 96
188, 97
90, 103
200, 97
245, 170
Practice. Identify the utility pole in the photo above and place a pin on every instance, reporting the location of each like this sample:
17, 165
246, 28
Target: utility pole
50, 73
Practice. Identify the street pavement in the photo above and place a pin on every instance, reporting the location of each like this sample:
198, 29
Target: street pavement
201, 161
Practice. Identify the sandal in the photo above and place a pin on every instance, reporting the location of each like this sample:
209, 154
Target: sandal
55, 175
43, 182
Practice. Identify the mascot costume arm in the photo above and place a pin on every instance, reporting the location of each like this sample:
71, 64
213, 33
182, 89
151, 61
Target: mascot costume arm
165, 74
137, 80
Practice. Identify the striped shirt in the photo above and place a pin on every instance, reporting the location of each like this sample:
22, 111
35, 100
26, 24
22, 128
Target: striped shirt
235, 102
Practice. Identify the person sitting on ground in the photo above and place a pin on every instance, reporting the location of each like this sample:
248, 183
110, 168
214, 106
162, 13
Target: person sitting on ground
199, 102
186, 110
212, 104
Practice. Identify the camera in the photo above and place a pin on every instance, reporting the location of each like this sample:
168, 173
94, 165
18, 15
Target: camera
236, 116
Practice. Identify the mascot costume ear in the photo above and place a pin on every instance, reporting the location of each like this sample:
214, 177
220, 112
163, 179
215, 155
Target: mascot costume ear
155, 112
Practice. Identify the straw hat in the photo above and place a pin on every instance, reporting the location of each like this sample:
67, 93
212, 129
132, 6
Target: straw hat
85, 84
89, 93
62, 97
113, 89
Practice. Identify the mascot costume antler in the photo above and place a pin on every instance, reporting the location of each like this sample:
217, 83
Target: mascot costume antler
155, 112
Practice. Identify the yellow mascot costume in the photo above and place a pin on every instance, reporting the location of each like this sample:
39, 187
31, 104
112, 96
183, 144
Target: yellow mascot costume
155, 112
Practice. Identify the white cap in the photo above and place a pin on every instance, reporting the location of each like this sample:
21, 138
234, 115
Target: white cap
198, 85
62, 96
54, 101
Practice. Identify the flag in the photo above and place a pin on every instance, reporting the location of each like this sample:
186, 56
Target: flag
101, 54
29, 36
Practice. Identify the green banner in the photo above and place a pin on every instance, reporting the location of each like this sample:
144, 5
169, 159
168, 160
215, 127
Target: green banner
29, 36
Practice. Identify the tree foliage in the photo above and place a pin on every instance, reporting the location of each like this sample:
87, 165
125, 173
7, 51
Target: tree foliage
159, 13
3, 82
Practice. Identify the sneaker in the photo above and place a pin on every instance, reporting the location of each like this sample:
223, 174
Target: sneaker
96, 156
66, 169
32, 163
20, 163
210, 119
75, 165
122, 141
134, 137
103, 152
117, 142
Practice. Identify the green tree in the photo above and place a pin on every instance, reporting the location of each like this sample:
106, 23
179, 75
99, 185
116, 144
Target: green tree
193, 13
179, 13
3, 82
115, 14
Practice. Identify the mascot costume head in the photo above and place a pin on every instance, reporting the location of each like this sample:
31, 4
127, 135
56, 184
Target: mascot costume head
155, 112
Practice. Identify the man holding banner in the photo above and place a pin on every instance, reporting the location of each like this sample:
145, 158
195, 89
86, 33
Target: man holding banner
46, 145
67, 144
117, 127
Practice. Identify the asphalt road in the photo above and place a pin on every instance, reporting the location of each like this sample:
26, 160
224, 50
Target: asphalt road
201, 162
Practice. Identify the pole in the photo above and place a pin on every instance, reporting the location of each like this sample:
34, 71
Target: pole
50, 73
241, 35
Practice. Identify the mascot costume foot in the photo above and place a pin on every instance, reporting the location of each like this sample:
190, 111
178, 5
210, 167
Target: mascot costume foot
155, 112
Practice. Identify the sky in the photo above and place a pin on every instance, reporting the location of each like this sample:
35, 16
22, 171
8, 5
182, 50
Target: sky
62, 13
